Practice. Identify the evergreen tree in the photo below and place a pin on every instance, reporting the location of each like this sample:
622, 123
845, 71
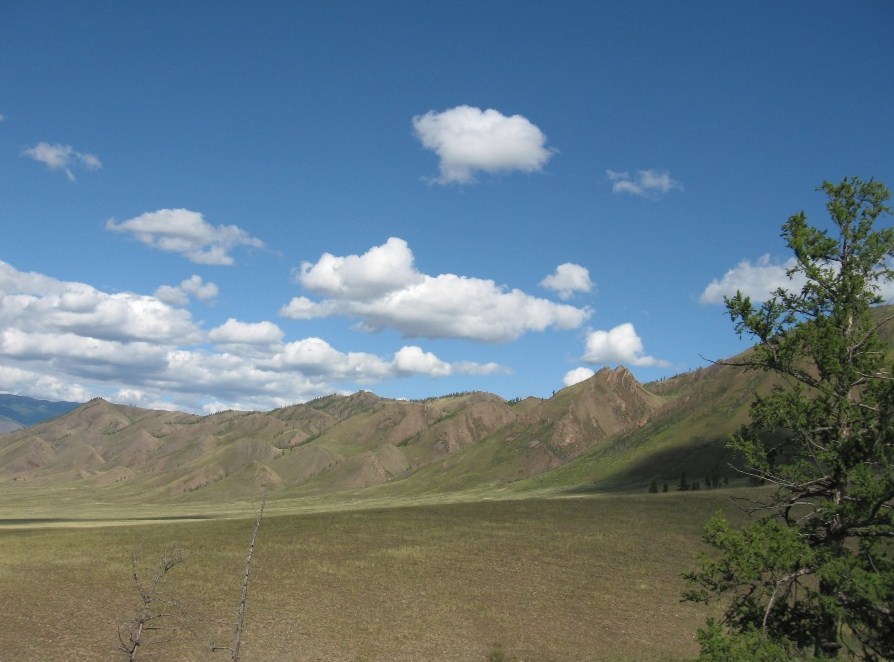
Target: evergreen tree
815, 570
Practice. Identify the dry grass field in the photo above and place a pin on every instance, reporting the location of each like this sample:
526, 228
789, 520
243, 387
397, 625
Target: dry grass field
577, 578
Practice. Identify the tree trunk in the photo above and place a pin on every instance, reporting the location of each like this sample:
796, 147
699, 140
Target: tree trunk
826, 644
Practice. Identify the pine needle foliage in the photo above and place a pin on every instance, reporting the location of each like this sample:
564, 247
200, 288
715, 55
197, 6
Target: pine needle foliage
812, 573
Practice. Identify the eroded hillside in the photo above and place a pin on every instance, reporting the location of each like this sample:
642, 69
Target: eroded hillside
335, 443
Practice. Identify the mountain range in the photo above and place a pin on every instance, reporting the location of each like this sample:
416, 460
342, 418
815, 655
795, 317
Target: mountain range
19, 411
607, 432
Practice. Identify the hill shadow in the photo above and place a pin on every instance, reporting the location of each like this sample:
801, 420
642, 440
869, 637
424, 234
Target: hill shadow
702, 460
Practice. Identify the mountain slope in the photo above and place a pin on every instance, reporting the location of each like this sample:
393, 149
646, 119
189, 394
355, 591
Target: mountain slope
608, 432
19, 411
336, 443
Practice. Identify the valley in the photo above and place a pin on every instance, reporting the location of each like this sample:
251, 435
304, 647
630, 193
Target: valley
459, 528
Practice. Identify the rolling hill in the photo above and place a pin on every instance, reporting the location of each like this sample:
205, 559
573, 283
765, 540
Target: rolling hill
608, 432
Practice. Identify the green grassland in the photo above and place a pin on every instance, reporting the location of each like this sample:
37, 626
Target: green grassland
587, 577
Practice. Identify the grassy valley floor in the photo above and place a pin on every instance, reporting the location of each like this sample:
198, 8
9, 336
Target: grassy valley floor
592, 577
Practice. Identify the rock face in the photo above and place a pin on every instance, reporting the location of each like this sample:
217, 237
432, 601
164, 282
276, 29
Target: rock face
332, 443
609, 403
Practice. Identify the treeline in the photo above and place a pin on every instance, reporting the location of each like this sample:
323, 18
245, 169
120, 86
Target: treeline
711, 481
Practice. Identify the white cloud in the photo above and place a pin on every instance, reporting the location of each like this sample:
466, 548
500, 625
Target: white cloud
234, 332
40, 385
193, 377
62, 157
619, 345
758, 280
418, 305
646, 184
413, 360
173, 295
484, 369
68, 340
178, 295
37, 303
568, 279
380, 270
468, 139
187, 233
317, 358
576, 376
761, 279
82, 356
303, 308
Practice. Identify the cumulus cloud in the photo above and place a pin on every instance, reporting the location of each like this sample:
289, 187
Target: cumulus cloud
303, 308
413, 359
619, 345
62, 157
40, 385
70, 331
178, 295
37, 303
761, 279
68, 340
468, 139
82, 356
568, 279
382, 269
576, 376
646, 183
317, 358
757, 280
234, 332
386, 294
187, 233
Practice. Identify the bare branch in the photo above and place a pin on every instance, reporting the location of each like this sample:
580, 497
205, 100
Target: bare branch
243, 600
157, 612
784, 581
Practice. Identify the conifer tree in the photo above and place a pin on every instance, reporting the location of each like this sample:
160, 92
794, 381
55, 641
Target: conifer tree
811, 573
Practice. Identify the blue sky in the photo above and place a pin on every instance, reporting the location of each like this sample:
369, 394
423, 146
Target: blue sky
246, 205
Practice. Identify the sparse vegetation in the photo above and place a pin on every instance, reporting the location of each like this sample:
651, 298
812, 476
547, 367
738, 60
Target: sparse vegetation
549, 578
455, 394
498, 654
160, 617
239, 623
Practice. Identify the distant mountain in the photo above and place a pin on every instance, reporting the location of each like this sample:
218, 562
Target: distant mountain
365, 442
608, 432
8, 425
18, 411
